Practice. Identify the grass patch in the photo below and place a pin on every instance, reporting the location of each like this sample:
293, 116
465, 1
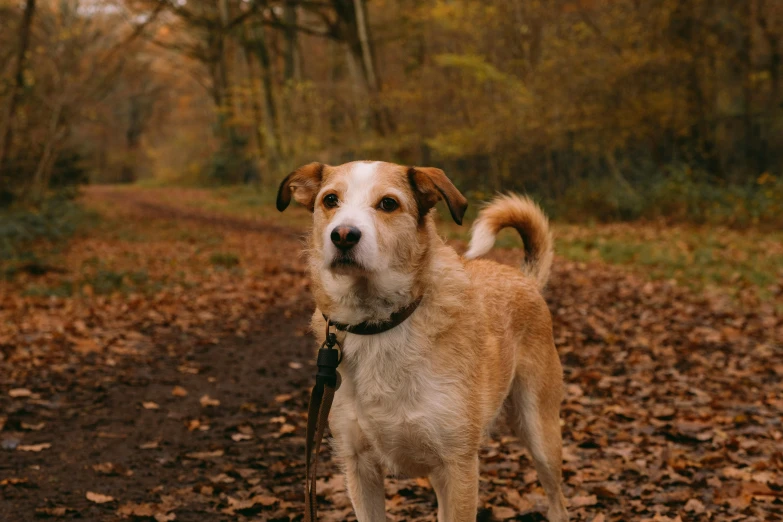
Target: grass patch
698, 257
252, 203
224, 259
101, 282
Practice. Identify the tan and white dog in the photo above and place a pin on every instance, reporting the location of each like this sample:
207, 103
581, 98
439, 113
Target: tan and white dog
419, 398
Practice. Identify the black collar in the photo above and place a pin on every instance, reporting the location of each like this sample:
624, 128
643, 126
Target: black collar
372, 328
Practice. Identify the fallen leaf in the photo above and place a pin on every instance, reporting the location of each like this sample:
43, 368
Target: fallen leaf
137, 510
149, 445
295, 365
150, 405
284, 397
335, 484
200, 455
104, 467
85, 346
207, 401
287, 428
222, 479
12, 481
58, 511
265, 500
109, 468
19, 392
694, 506
33, 427
238, 437
179, 391
249, 506
520, 503
143, 510
99, 498
503, 513
584, 500
33, 447
423, 482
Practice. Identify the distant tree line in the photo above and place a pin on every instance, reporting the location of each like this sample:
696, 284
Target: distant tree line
611, 103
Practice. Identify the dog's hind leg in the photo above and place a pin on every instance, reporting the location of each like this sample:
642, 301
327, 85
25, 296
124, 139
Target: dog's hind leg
533, 409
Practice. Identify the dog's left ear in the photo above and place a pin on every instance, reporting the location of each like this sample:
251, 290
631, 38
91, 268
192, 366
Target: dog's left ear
431, 184
303, 183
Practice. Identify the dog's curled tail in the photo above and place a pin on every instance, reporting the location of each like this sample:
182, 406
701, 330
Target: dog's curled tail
522, 214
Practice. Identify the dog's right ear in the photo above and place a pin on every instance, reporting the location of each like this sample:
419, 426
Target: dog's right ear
303, 183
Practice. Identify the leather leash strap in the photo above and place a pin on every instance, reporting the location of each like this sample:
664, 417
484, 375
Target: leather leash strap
326, 383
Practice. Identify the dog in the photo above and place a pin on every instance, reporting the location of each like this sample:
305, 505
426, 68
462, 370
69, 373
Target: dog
476, 341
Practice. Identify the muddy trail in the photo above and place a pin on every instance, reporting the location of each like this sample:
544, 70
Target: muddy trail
162, 373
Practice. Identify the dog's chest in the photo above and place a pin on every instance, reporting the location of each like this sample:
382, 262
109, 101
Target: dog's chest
401, 404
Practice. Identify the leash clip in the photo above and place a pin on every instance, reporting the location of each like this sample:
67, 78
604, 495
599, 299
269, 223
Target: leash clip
329, 358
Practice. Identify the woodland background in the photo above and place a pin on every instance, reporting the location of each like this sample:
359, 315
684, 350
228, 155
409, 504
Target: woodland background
602, 109
155, 353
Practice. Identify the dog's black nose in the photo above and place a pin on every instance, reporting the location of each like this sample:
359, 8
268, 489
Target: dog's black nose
345, 237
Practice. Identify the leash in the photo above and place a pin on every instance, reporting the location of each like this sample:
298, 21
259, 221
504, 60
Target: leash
326, 383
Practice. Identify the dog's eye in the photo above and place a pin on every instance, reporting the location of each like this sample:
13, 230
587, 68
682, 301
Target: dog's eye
388, 204
330, 200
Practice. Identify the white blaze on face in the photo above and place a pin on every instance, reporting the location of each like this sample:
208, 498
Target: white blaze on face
357, 209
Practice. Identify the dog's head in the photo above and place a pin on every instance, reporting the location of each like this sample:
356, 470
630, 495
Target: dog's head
369, 217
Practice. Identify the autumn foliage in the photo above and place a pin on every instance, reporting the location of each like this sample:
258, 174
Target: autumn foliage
609, 109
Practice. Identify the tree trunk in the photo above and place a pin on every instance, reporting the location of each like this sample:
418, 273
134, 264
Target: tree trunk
6, 132
44, 169
733, 96
354, 30
257, 45
362, 31
773, 39
258, 117
291, 49
138, 111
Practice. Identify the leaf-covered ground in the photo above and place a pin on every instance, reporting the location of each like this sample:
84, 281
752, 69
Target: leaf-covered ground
158, 368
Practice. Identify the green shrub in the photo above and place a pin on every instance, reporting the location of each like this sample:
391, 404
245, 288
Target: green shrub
679, 194
696, 197
56, 217
600, 200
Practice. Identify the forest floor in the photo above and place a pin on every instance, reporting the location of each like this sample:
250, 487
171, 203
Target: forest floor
158, 365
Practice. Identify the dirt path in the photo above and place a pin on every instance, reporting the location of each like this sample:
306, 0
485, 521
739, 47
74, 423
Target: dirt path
180, 392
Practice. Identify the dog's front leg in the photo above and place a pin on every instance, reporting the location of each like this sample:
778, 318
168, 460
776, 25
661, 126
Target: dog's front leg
456, 486
364, 477
363, 473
